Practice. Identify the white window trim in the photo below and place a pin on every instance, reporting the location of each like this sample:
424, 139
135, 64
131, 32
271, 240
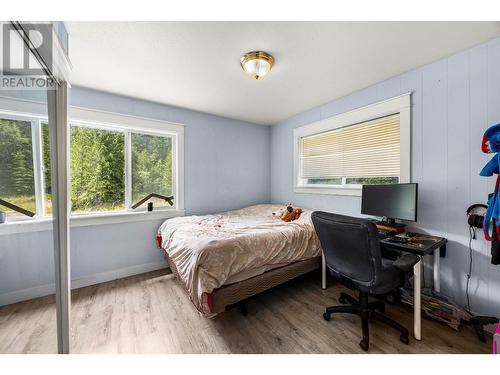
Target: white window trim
400, 104
27, 110
86, 220
126, 123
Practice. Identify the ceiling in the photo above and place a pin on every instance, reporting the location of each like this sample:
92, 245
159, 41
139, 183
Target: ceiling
195, 65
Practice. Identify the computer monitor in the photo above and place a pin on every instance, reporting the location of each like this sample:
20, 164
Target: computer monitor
392, 201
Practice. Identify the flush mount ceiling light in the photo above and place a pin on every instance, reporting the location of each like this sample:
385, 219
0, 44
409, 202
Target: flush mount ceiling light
257, 63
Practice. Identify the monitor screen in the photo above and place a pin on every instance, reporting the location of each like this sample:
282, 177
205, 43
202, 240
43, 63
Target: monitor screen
394, 201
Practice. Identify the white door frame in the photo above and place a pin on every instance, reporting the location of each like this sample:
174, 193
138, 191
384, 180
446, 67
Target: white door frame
59, 156
57, 103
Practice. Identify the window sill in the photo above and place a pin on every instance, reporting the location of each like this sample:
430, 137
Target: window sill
337, 190
82, 220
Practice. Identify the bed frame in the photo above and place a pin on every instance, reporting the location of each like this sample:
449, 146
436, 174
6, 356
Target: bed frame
231, 294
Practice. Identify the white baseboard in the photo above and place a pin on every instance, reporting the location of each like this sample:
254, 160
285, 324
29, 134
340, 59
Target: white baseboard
26, 294
80, 282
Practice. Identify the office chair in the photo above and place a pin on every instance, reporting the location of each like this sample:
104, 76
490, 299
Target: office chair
352, 253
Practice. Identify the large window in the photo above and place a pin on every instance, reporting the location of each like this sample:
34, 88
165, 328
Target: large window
112, 166
366, 146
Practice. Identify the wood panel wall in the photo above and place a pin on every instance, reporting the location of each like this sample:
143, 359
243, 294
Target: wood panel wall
454, 100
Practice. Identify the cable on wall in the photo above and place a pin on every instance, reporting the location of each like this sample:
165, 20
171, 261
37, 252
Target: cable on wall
472, 235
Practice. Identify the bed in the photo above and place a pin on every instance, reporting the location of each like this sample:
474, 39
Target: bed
225, 258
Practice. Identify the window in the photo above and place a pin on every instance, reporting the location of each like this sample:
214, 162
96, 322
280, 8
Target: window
17, 182
356, 154
47, 182
370, 145
97, 170
151, 167
114, 162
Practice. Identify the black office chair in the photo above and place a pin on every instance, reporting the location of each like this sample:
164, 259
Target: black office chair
352, 252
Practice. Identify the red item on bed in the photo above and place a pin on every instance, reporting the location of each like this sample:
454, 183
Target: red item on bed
210, 302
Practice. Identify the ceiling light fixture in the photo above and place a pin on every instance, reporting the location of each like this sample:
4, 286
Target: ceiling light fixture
257, 63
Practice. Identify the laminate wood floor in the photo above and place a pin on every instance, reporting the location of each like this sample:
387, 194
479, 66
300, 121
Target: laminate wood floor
150, 313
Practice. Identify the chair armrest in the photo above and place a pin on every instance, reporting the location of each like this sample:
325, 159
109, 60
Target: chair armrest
406, 262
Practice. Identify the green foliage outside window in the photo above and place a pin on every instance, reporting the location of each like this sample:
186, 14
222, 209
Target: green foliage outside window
324, 181
372, 180
46, 169
97, 170
16, 165
151, 167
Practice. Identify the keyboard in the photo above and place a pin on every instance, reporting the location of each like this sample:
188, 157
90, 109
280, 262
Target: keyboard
398, 239
383, 234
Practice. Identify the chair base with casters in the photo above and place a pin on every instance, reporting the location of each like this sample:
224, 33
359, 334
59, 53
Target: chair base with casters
366, 310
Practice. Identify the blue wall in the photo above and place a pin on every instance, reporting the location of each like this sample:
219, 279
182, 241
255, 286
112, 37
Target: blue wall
226, 167
454, 100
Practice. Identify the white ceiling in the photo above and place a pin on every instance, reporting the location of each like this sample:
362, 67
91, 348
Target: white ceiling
196, 64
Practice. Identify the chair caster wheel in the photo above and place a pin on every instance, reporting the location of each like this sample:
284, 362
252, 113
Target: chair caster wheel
404, 339
326, 316
342, 300
244, 311
364, 344
393, 298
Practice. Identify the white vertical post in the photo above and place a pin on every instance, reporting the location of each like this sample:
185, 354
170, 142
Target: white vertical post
59, 156
417, 312
323, 271
178, 169
435, 270
128, 170
36, 141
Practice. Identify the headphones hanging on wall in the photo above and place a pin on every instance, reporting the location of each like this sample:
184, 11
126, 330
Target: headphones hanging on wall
476, 220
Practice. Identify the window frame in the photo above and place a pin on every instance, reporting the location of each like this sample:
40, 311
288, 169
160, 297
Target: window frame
397, 105
36, 149
36, 115
131, 124
128, 169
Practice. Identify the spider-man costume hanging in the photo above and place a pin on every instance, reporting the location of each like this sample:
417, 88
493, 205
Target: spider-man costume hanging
491, 144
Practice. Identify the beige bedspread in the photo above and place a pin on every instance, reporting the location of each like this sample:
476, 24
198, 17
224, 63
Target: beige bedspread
209, 250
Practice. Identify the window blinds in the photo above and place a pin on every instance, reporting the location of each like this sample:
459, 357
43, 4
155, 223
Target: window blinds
371, 148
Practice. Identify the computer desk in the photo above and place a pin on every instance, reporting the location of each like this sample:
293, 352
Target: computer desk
419, 245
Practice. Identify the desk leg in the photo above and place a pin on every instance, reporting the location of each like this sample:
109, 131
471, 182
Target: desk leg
417, 312
323, 271
437, 282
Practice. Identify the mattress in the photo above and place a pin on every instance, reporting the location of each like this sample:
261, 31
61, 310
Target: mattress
214, 250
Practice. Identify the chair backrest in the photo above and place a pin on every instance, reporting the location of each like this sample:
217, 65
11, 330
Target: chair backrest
350, 245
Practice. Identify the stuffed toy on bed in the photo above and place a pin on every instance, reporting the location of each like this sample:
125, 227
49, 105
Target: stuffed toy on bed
288, 213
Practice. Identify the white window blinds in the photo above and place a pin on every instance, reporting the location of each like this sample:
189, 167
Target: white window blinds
371, 148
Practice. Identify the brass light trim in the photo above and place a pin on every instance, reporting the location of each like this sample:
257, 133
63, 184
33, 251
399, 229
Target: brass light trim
256, 55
